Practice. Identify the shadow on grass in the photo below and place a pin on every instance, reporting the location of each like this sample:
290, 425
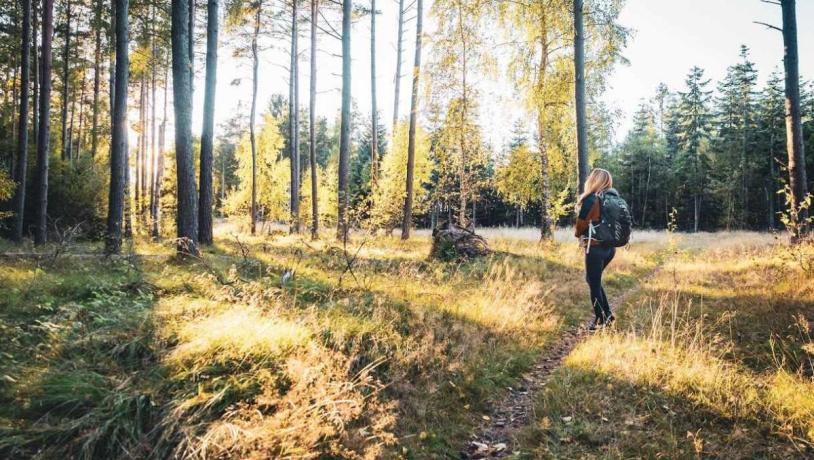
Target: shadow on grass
97, 384
585, 414
764, 328
78, 363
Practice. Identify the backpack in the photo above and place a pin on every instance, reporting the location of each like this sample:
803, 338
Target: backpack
615, 221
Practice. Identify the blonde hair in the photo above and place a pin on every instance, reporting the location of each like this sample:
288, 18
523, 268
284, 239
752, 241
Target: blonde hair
597, 182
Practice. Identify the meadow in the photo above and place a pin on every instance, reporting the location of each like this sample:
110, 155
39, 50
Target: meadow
276, 346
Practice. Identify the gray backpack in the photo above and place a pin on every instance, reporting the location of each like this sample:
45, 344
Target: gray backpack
615, 221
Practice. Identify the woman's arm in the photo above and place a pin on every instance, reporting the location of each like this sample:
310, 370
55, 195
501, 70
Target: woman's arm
587, 213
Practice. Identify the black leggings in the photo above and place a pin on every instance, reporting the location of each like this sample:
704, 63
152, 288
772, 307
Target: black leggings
595, 262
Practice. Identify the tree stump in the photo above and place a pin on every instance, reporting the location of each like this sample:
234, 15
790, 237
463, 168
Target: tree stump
451, 242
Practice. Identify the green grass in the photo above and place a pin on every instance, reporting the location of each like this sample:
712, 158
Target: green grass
707, 361
398, 357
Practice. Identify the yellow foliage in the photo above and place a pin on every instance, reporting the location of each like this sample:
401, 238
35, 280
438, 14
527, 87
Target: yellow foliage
391, 189
518, 181
273, 175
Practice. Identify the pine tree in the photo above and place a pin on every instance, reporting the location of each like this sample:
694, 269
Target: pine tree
44, 133
734, 140
21, 169
693, 118
118, 150
186, 209
770, 144
205, 198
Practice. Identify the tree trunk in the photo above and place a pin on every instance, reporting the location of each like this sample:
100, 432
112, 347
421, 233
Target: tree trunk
153, 152
222, 183
463, 177
159, 175
293, 124
140, 148
35, 125
312, 146
579, 95
205, 194
80, 130
770, 193
97, 64
118, 144
252, 135
111, 72
407, 221
399, 41
71, 153
191, 49
545, 189
21, 165
44, 134
14, 80
794, 130
345, 123
646, 189
66, 142
186, 214
374, 112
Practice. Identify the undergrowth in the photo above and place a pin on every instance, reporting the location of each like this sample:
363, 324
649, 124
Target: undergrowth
713, 359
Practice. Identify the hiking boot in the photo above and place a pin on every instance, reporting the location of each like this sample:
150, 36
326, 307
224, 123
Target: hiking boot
610, 320
596, 324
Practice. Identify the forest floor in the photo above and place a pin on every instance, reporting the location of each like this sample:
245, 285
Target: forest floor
277, 346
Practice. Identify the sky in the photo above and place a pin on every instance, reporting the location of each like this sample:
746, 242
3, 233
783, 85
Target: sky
669, 37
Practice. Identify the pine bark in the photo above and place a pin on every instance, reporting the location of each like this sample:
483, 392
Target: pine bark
153, 152
140, 148
374, 111
545, 189
66, 142
345, 123
312, 147
80, 130
97, 69
464, 115
35, 115
408, 200
191, 47
399, 41
579, 94
21, 165
252, 118
207, 134
159, 174
44, 133
794, 130
293, 123
118, 143
186, 213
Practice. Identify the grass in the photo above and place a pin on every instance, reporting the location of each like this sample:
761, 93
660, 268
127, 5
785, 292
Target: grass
708, 361
271, 347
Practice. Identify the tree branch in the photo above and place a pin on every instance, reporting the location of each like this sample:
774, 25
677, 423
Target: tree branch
769, 26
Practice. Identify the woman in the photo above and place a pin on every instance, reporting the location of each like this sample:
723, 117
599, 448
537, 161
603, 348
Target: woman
597, 254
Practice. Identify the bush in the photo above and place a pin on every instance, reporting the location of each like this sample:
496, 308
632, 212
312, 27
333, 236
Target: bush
77, 195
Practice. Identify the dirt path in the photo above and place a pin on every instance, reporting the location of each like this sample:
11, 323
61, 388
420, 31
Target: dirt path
495, 437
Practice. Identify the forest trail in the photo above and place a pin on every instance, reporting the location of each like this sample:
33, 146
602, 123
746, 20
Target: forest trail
496, 435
